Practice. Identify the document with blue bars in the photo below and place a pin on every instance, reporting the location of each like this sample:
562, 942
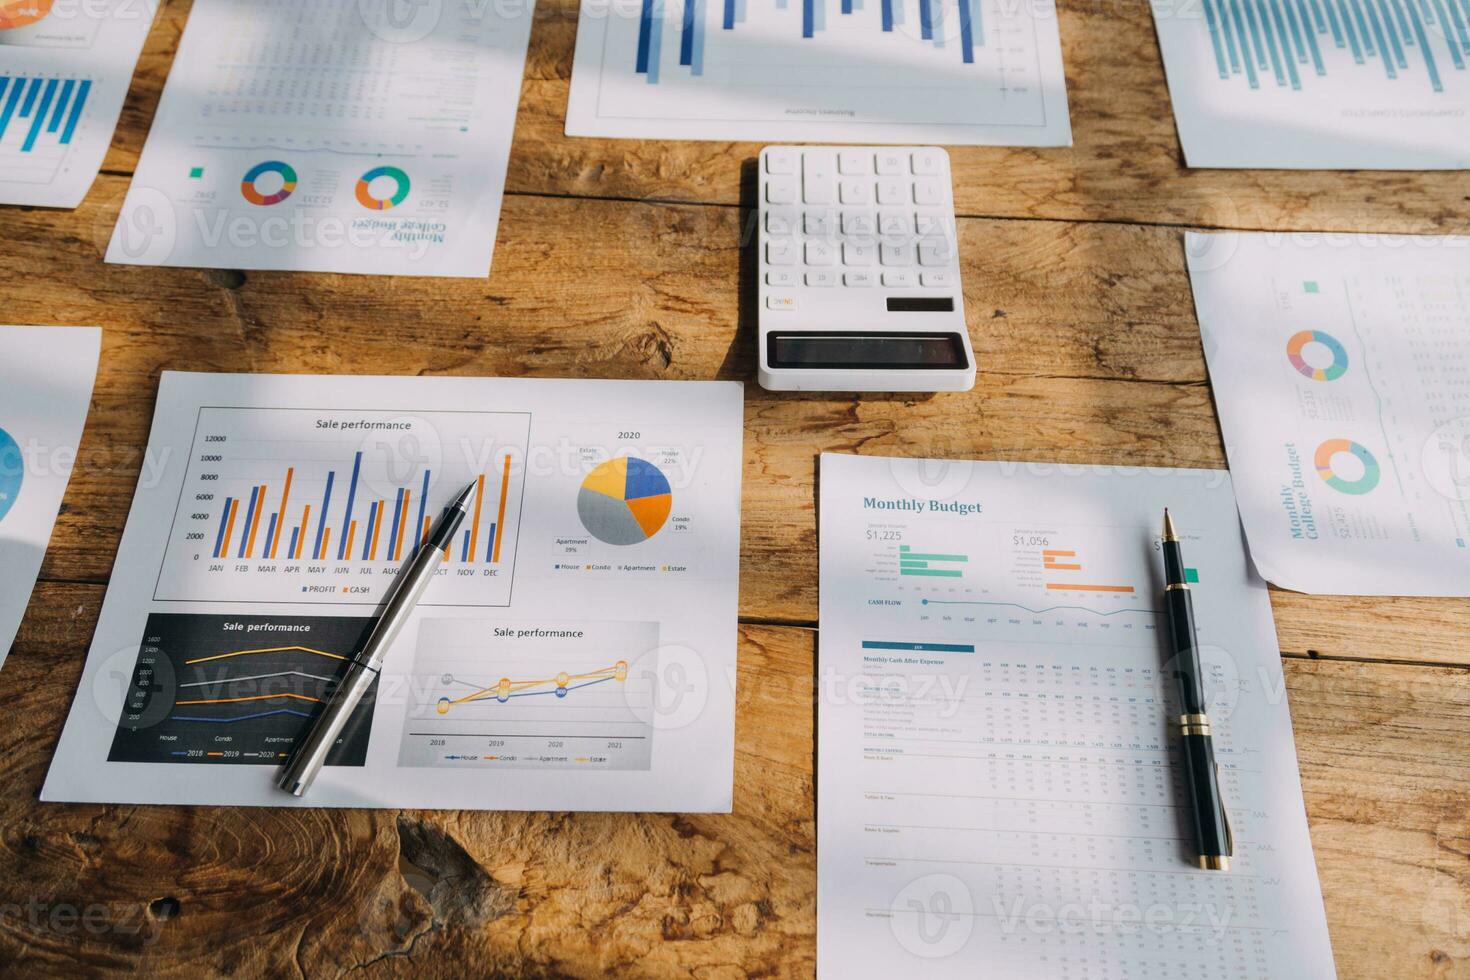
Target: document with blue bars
64, 70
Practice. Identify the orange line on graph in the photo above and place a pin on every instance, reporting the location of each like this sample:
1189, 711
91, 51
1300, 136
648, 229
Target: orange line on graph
351, 533
255, 523
253, 697
230, 527
500, 518
301, 538
246, 653
1089, 588
475, 526
377, 530
402, 525
281, 521
512, 686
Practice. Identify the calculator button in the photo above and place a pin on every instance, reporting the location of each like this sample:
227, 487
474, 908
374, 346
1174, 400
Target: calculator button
892, 164
894, 224
780, 222
893, 192
935, 252
898, 280
857, 253
897, 254
818, 177
931, 225
858, 224
781, 278
860, 279
781, 302
781, 192
855, 162
818, 223
938, 280
928, 192
820, 253
821, 278
780, 253
781, 161
928, 163
856, 192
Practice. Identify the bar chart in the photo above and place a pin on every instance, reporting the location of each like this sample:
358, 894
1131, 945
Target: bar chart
296, 505
39, 117
1291, 41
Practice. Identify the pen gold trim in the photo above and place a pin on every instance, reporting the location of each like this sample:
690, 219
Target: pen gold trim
1214, 838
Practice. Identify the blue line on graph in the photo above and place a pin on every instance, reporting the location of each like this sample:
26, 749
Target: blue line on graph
230, 721
1271, 38
532, 694
1038, 612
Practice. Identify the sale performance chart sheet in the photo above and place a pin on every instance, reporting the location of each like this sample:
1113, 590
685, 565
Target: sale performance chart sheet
363, 136
575, 650
1341, 371
1319, 84
65, 67
1000, 789
948, 72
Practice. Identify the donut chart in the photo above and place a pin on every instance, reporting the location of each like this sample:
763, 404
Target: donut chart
1331, 372
12, 471
1364, 483
365, 192
23, 13
288, 183
625, 501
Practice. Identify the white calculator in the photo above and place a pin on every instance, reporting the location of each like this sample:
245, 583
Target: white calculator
859, 271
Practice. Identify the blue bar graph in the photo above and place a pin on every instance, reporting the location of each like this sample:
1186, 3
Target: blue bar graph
397, 517
367, 539
321, 524
41, 106
347, 518
490, 544
1291, 40
693, 15
421, 533
249, 518
224, 520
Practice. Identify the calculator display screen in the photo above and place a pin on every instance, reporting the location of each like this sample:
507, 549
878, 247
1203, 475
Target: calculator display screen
866, 351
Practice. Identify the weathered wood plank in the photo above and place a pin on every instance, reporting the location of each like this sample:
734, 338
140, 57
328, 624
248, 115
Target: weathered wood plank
1384, 751
1126, 164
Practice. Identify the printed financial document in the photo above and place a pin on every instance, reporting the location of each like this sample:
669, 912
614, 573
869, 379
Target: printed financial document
1000, 792
330, 136
950, 72
65, 67
1319, 84
574, 651
1340, 366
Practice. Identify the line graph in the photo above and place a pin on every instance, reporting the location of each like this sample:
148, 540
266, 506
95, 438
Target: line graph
199, 695
484, 696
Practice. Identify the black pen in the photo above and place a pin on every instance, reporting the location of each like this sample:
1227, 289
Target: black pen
1211, 823
318, 741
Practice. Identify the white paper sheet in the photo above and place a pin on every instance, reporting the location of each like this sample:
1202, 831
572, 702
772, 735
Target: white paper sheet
46, 376
575, 652
1341, 371
1319, 84
999, 790
360, 136
951, 72
65, 66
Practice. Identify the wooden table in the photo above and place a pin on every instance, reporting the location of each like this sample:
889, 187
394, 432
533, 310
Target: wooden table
623, 260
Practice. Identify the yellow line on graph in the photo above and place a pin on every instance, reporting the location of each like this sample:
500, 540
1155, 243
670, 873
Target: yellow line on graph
246, 653
520, 685
253, 697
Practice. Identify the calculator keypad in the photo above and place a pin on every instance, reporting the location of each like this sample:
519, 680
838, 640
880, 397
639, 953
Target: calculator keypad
860, 218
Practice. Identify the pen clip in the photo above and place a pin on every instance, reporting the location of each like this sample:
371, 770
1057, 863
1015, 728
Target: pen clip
1225, 813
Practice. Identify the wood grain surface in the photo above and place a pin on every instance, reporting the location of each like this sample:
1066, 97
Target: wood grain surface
623, 259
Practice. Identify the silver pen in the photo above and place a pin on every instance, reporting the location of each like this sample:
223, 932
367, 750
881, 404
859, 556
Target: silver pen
313, 748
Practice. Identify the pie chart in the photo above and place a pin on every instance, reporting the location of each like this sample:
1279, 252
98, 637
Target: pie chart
624, 501
22, 13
